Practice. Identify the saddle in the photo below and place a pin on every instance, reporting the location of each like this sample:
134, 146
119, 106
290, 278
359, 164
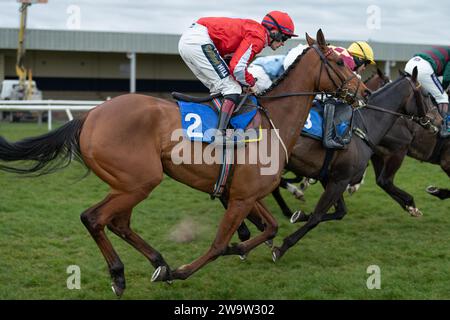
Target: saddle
200, 117
246, 121
343, 122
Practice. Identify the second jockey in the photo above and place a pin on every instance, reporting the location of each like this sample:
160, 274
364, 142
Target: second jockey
356, 57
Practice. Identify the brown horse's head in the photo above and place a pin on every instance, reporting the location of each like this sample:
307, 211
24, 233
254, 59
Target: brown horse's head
430, 118
335, 76
377, 80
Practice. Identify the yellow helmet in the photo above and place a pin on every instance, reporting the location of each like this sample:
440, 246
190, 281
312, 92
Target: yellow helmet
361, 49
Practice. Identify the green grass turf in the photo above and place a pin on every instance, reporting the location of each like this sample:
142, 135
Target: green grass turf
41, 235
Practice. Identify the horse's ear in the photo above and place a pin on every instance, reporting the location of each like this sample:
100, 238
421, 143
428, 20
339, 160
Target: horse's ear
321, 38
402, 73
380, 73
414, 75
309, 40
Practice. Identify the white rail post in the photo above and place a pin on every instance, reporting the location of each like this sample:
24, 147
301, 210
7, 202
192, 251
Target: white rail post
132, 57
49, 120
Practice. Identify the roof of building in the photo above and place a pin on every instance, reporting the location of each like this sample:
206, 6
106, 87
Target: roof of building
152, 43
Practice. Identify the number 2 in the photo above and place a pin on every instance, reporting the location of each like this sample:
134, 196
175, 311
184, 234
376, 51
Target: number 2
197, 123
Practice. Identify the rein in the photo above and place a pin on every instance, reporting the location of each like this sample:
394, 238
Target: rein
421, 120
295, 94
398, 114
340, 93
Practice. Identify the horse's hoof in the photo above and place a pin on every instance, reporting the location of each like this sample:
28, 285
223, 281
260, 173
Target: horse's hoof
351, 190
243, 257
269, 243
118, 291
298, 216
160, 274
414, 212
432, 189
276, 254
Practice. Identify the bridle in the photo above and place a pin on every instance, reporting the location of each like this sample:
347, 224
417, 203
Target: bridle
424, 120
341, 92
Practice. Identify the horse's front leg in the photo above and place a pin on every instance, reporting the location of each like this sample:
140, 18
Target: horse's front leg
331, 195
234, 215
385, 168
265, 222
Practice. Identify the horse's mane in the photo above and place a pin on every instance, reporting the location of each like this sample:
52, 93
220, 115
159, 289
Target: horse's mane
285, 73
388, 86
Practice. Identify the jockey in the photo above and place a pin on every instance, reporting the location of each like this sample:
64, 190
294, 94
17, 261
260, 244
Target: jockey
209, 41
269, 68
362, 55
432, 64
266, 70
356, 57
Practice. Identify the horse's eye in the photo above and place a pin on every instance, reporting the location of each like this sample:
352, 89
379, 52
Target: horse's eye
340, 62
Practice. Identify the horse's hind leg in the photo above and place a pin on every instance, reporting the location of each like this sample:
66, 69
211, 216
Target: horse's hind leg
95, 220
115, 212
120, 225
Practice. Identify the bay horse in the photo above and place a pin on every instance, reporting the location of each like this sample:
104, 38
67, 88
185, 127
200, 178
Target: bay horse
410, 138
348, 166
406, 137
376, 81
127, 143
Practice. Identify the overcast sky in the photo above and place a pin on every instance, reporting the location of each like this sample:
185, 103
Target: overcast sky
405, 21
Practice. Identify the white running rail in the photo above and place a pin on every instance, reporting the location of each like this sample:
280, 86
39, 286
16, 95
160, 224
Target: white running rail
49, 105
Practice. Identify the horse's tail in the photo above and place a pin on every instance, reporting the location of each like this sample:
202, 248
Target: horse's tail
43, 154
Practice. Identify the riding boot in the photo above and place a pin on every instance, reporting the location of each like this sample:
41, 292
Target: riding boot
328, 115
226, 111
445, 129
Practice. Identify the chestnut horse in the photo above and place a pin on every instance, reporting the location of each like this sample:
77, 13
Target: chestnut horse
127, 142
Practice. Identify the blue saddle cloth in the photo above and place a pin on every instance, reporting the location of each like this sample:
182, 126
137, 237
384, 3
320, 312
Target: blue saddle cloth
199, 121
314, 123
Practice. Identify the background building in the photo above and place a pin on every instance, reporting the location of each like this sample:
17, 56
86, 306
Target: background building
96, 65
